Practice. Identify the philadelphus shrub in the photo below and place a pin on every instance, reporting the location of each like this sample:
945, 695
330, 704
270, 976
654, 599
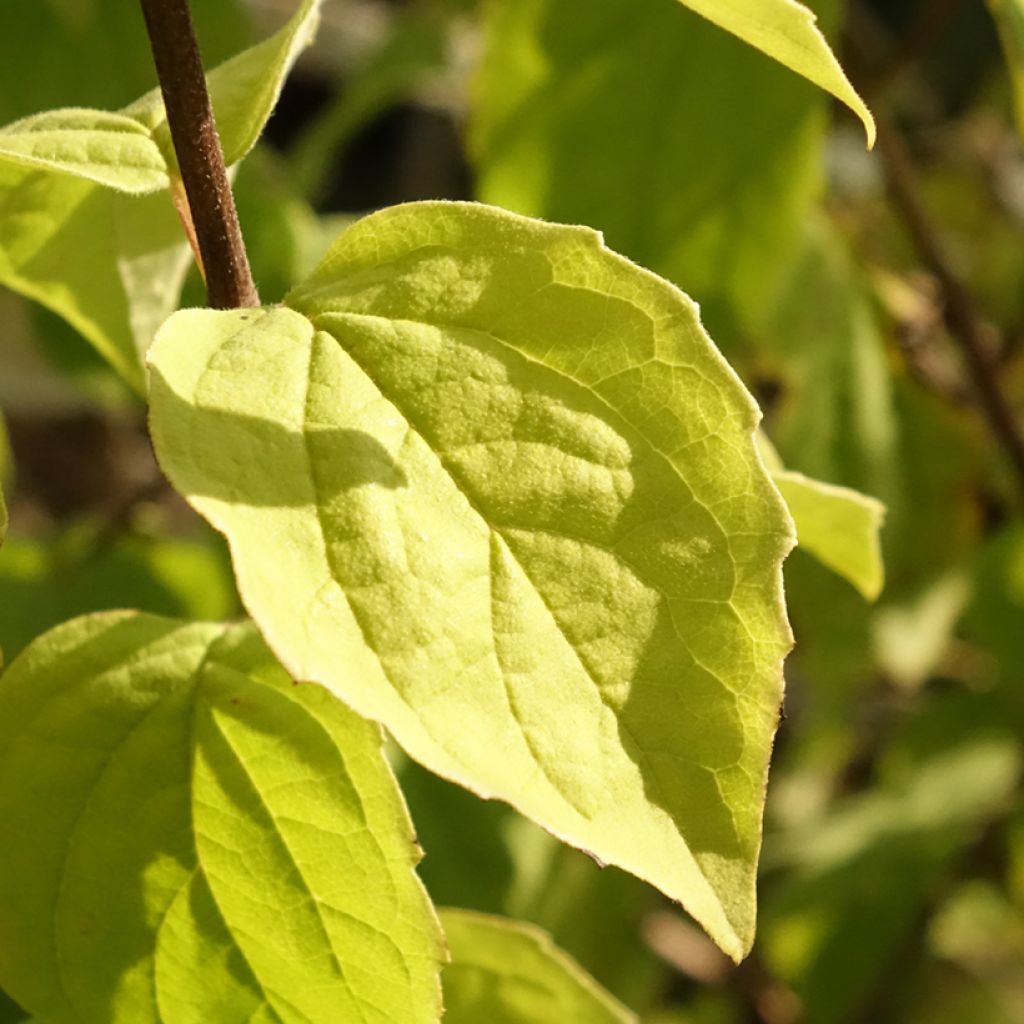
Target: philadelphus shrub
485, 483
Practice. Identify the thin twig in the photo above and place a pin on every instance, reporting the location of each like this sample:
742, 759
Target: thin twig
963, 320
229, 283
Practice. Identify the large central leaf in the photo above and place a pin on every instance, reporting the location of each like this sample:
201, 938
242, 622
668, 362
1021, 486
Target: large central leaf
492, 484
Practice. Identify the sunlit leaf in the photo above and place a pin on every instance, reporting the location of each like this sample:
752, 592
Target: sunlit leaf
191, 837
786, 31
485, 478
109, 149
838, 525
506, 972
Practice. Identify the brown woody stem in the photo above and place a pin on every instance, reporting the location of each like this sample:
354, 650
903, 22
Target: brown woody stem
229, 283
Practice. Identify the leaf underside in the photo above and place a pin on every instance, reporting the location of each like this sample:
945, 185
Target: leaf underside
492, 484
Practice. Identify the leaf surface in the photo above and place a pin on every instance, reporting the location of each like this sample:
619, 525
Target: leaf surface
786, 31
483, 479
191, 837
839, 526
109, 149
507, 972
129, 282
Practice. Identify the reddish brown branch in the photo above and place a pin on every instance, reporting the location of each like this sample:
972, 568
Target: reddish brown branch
229, 283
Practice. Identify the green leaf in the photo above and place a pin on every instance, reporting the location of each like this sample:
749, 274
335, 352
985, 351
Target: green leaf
109, 149
786, 31
243, 90
837, 525
484, 478
506, 972
131, 280
127, 285
1009, 18
191, 837
725, 147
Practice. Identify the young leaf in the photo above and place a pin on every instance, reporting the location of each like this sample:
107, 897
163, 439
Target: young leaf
838, 525
492, 484
1009, 18
137, 255
191, 837
786, 31
506, 972
725, 147
243, 90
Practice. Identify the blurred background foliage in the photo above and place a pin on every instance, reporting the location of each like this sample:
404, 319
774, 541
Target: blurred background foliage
893, 870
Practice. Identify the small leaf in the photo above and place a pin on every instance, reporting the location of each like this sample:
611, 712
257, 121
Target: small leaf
486, 478
110, 149
837, 525
506, 972
243, 90
190, 837
1009, 18
786, 31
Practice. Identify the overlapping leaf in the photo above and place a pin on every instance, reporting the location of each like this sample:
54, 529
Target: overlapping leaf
838, 525
190, 837
786, 31
71, 182
493, 485
505, 972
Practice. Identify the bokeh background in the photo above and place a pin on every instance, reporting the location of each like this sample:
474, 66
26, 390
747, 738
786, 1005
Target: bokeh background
893, 869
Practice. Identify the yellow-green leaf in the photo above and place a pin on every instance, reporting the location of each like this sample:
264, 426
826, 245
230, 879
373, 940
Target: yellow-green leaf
839, 526
190, 837
492, 484
786, 31
109, 149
